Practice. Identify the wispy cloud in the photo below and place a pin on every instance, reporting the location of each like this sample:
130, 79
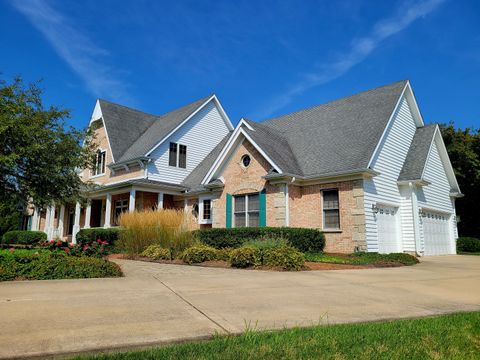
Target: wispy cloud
359, 50
86, 59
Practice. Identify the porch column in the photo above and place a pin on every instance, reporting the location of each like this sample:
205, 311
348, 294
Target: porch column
46, 227
108, 210
185, 204
35, 219
52, 232
76, 223
61, 218
88, 215
131, 201
160, 201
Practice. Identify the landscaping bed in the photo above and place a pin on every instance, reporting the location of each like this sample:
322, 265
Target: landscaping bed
362, 259
455, 336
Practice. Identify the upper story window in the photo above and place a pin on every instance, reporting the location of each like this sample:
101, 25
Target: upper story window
247, 210
331, 210
177, 155
99, 166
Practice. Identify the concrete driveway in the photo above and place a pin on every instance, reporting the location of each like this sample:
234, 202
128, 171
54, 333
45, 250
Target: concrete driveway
158, 303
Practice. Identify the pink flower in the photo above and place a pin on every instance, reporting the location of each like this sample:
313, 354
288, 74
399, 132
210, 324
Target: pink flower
85, 248
99, 241
11, 250
67, 250
59, 243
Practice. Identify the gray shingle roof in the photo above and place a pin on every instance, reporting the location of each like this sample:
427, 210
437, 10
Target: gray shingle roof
417, 154
334, 137
133, 133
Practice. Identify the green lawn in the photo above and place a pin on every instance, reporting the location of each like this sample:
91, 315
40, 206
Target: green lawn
363, 258
444, 337
469, 253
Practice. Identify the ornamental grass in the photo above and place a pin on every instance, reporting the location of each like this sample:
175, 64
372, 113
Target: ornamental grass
167, 228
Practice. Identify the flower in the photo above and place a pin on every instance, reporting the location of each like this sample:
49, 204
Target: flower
11, 250
67, 250
99, 241
59, 243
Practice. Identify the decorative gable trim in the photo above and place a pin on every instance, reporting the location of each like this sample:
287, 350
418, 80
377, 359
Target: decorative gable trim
219, 107
98, 115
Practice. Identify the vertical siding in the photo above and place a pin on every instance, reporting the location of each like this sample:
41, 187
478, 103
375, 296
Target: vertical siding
388, 161
406, 222
200, 134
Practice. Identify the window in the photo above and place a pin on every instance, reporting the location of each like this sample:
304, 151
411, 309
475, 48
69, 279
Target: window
182, 159
99, 166
172, 158
207, 209
178, 155
246, 160
247, 210
331, 210
121, 206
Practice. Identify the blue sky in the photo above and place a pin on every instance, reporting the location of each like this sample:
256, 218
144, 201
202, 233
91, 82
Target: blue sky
261, 58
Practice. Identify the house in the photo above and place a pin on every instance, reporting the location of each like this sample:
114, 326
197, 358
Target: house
364, 169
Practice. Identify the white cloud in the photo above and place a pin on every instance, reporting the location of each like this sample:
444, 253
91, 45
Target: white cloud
85, 58
358, 51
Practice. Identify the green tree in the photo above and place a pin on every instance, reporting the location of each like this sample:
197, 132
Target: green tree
39, 155
463, 146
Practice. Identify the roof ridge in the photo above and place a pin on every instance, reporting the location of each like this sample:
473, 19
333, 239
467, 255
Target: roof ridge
333, 101
126, 107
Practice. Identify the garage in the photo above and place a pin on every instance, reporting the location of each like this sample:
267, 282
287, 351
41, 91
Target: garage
388, 229
436, 234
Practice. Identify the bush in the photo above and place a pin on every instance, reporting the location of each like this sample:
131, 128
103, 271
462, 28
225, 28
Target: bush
167, 228
23, 237
45, 265
87, 236
156, 252
224, 254
198, 254
286, 257
245, 256
376, 258
267, 243
468, 244
301, 238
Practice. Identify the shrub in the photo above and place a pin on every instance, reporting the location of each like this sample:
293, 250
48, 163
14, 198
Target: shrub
468, 244
286, 257
23, 237
45, 265
156, 252
245, 256
224, 254
267, 243
53, 245
301, 238
87, 236
198, 254
376, 258
167, 228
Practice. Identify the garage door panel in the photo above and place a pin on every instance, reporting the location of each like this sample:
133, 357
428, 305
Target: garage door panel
437, 238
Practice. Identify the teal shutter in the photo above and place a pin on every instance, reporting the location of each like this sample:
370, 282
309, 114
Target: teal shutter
263, 208
228, 216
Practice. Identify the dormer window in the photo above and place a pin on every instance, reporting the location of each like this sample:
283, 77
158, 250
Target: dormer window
177, 156
99, 166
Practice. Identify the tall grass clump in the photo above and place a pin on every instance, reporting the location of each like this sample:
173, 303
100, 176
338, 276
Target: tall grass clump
167, 228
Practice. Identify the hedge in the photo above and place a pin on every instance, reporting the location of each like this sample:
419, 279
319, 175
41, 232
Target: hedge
87, 236
23, 237
468, 244
303, 239
199, 253
45, 265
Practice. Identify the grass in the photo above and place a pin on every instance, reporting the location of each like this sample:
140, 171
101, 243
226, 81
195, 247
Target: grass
363, 258
47, 265
468, 253
454, 336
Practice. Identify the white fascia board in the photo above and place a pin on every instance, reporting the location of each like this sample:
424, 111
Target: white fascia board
227, 120
97, 114
408, 94
182, 123
238, 131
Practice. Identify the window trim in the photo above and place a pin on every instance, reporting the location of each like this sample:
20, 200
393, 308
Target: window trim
324, 228
115, 207
104, 167
247, 211
201, 200
177, 154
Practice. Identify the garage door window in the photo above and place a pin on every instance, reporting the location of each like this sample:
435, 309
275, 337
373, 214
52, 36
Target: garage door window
331, 210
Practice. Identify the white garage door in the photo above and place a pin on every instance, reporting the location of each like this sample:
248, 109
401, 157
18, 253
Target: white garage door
436, 234
388, 230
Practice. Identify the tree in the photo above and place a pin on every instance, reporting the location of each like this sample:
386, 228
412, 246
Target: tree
463, 146
40, 156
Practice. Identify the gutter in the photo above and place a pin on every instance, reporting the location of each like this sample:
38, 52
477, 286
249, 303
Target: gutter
328, 176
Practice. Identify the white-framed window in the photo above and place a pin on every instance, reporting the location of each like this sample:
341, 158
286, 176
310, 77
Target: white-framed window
99, 166
121, 206
246, 210
331, 209
177, 155
205, 213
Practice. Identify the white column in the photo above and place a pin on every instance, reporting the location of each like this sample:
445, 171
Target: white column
416, 220
46, 228
61, 217
131, 201
76, 223
35, 218
287, 207
160, 201
52, 231
185, 204
88, 215
108, 210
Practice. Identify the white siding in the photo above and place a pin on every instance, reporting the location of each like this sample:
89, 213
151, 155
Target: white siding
200, 134
388, 162
406, 214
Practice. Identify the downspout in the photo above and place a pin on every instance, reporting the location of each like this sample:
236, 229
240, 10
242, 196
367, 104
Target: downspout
416, 219
287, 208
